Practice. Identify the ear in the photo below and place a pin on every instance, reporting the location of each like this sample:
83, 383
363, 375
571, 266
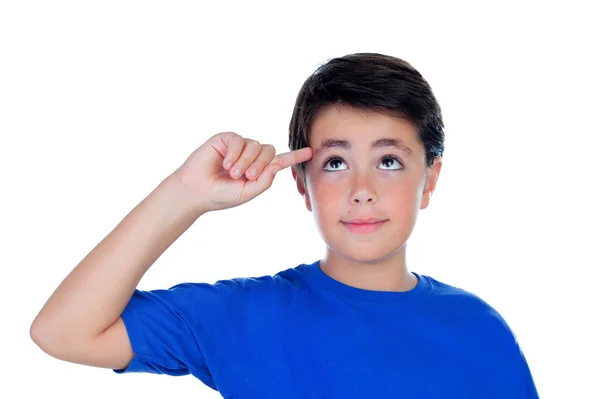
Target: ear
433, 173
300, 179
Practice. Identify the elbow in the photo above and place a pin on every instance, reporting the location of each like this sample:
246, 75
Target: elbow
39, 336
46, 340
35, 333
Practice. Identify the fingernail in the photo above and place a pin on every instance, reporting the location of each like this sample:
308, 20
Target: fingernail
228, 165
237, 172
252, 172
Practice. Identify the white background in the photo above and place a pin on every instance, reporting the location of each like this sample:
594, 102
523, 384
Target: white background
99, 101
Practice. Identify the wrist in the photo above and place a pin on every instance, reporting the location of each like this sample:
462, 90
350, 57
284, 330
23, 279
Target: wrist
181, 198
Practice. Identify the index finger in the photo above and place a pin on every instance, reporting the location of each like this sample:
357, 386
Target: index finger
293, 157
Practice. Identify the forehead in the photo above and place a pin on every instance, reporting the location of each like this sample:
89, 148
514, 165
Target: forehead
360, 127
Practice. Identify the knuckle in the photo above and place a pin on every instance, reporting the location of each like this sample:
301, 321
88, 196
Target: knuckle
233, 142
228, 135
253, 149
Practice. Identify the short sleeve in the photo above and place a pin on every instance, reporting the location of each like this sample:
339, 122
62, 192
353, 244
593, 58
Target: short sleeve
166, 328
509, 368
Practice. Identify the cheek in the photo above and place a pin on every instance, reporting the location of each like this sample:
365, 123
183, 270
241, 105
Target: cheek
402, 202
400, 191
326, 197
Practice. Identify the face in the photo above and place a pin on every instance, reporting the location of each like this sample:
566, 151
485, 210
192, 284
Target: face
366, 167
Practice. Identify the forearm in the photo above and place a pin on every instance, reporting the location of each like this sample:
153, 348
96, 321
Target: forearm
97, 290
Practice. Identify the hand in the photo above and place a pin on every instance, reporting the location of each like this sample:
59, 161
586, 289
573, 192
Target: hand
229, 170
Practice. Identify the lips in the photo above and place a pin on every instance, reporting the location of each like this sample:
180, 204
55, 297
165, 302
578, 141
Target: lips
369, 220
364, 225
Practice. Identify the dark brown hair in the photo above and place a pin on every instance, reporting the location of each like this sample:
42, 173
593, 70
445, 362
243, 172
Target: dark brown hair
370, 82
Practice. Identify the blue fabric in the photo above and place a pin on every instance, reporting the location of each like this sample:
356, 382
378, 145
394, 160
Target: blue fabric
302, 334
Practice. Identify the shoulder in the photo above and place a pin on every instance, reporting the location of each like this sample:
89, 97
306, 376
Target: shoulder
455, 297
484, 337
472, 321
231, 289
458, 305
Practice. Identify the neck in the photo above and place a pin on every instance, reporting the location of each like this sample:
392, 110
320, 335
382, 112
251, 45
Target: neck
387, 274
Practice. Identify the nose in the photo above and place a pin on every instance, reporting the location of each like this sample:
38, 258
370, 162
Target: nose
363, 191
362, 198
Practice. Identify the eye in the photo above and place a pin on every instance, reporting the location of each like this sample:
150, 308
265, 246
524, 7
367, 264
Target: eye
334, 163
389, 162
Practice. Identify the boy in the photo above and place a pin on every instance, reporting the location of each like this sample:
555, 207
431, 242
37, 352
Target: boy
366, 139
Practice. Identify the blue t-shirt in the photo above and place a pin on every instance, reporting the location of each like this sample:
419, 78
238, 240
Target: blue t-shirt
302, 334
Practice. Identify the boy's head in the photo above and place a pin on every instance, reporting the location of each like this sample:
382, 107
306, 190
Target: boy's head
377, 137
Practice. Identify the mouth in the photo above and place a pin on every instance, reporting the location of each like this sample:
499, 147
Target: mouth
364, 226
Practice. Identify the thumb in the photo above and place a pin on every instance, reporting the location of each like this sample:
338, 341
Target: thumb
264, 181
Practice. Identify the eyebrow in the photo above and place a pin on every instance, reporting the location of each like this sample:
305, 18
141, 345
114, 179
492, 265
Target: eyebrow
381, 143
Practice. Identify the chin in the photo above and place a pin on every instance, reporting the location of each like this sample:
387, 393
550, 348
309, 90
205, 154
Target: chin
366, 252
